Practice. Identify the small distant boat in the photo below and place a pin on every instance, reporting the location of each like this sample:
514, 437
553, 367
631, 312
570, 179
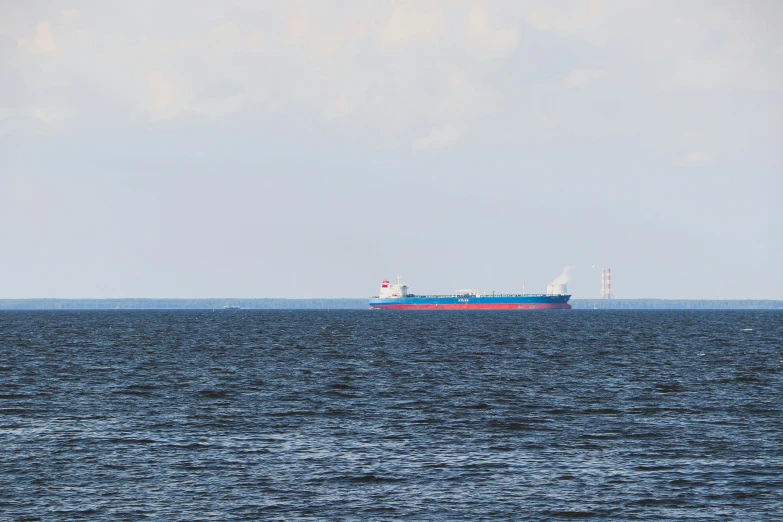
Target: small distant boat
231, 307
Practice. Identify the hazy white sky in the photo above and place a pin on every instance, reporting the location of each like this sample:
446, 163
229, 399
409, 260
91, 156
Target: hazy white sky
312, 149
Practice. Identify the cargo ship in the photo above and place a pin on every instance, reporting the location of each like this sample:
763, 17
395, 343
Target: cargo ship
395, 296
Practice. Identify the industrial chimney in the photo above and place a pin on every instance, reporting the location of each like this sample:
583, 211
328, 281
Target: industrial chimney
606, 283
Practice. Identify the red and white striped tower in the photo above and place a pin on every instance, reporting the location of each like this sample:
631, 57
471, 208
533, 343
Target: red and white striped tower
606, 283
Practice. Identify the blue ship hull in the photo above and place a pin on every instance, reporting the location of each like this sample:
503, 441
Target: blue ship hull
488, 302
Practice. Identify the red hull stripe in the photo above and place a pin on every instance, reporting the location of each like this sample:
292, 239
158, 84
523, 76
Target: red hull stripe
468, 306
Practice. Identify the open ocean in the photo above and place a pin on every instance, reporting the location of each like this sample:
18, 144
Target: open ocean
358, 415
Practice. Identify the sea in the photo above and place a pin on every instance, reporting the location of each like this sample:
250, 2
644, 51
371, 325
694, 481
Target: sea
386, 415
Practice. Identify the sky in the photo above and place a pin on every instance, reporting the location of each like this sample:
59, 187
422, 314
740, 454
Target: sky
312, 149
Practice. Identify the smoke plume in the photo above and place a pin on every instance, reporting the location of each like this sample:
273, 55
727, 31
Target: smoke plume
563, 278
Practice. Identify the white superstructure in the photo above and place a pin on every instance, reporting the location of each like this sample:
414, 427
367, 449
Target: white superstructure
393, 289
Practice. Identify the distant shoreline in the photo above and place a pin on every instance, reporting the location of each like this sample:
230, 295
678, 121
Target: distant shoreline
361, 304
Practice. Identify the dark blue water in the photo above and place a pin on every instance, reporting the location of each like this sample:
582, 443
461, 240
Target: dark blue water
255, 415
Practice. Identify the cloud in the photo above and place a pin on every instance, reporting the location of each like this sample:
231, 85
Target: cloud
439, 138
7, 116
487, 38
570, 18
412, 24
165, 96
50, 38
693, 159
580, 77
220, 107
50, 119
68, 16
390, 71
338, 108
225, 38
42, 42
255, 41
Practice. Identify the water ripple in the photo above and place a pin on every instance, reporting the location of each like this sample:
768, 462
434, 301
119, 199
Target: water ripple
274, 415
